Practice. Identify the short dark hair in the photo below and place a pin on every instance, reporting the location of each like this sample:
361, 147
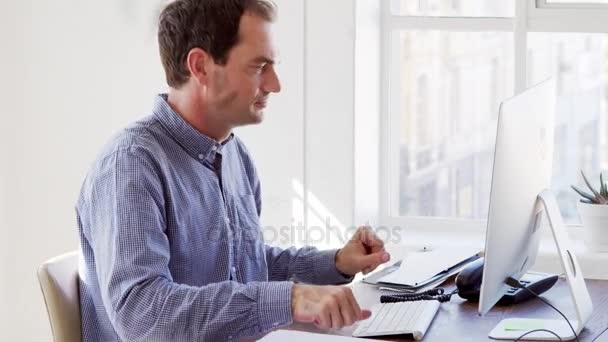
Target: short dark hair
212, 25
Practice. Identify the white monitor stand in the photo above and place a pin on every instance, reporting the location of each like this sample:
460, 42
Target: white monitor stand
576, 285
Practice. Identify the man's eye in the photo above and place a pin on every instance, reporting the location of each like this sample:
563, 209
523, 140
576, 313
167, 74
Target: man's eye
260, 68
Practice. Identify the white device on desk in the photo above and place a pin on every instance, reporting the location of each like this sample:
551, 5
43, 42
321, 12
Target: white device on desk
519, 202
408, 275
399, 318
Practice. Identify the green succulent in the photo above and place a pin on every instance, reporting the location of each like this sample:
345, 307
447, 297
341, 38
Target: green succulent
597, 197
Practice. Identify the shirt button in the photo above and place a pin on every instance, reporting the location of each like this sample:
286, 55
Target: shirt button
233, 269
227, 220
201, 156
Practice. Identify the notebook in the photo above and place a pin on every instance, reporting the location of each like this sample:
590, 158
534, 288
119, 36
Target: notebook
420, 270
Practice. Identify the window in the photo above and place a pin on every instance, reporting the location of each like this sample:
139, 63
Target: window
448, 81
576, 2
469, 8
579, 62
449, 65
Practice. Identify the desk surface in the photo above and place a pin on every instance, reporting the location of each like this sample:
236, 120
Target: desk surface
457, 320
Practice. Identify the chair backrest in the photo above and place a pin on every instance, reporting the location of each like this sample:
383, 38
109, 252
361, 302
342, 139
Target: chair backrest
59, 283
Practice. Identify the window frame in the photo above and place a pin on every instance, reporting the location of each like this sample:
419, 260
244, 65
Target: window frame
530, 16
544, 4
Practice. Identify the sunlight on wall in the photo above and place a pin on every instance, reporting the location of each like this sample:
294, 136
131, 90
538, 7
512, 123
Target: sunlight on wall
323, 229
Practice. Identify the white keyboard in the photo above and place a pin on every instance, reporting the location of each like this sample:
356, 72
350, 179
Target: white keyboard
399, 318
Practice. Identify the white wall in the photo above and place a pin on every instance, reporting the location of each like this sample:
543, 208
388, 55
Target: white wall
367, 112
77, 71
9, 88
310, 141
329, 116
76, 64
277, 144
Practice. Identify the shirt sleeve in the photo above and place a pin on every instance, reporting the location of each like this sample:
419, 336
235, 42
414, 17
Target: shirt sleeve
307, 265
132, 252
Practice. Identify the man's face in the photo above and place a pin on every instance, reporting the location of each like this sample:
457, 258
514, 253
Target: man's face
237, 92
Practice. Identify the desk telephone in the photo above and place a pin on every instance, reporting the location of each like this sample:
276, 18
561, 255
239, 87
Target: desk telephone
468, 284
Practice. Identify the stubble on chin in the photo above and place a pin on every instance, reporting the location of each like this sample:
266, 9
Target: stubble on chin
257, 117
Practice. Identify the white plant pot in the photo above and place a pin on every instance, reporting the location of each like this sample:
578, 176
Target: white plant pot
595, 226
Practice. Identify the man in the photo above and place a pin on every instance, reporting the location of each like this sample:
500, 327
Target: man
169, 213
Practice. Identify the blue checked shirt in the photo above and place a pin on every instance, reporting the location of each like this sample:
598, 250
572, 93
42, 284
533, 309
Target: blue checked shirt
171, 248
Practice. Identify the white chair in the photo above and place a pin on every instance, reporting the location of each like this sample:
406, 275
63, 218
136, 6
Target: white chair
58, 279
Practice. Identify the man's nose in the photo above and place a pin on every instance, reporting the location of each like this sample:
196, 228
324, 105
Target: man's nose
272, 84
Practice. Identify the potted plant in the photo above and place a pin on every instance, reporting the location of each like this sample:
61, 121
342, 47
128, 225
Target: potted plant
593, 210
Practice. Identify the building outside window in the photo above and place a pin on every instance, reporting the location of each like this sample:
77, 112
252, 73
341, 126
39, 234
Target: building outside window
451, 63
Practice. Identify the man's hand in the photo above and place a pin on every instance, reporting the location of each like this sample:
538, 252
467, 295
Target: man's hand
363, 253
325, 306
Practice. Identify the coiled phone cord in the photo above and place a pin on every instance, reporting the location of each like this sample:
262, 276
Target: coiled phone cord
437, 294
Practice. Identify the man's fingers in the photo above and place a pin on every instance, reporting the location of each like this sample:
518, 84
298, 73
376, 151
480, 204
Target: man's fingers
372, 261
365, 314
323, 319
333, 308
355, 306
336, 308
307, 319
376, 249
370, 239
351, 314
348, 313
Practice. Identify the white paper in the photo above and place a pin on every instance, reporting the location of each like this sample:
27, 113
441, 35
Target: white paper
300, 336
420, 266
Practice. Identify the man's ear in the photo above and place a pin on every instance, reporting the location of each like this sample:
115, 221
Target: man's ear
198, 63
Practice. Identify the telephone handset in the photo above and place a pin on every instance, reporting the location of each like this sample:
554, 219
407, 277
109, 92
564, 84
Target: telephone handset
468, 285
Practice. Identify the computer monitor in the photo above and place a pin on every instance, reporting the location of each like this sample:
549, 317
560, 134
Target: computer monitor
522, 173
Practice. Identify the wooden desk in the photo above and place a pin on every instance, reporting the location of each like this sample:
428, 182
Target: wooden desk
457, 320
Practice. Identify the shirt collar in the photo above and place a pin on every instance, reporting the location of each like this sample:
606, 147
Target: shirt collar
198, 145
